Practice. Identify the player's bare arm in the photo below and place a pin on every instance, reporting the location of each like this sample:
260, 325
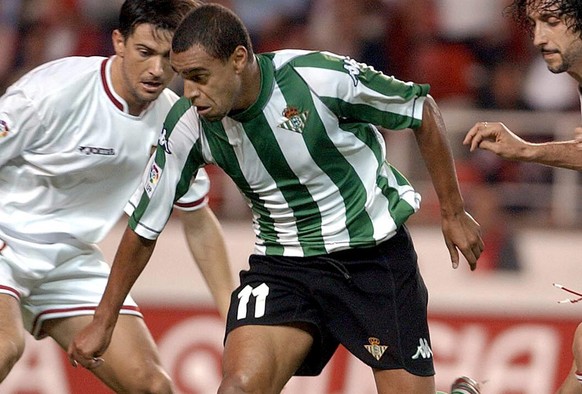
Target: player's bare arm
131, 258
461, 232
497, 138
578, 137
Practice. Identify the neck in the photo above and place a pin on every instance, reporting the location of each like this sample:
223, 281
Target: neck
577, 76
250, 85
119, 85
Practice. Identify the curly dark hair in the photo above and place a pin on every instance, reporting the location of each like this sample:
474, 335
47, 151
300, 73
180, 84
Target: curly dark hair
568, 10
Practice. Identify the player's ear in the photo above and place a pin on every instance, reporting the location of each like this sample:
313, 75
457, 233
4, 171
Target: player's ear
240, 58
118, 42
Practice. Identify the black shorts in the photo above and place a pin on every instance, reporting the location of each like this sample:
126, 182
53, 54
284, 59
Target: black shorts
373, 301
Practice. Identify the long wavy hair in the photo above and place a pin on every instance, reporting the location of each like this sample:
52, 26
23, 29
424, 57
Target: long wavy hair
568, 10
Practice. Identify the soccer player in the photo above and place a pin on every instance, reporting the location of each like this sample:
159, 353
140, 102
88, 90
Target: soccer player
75, 137
333, 260
556, 28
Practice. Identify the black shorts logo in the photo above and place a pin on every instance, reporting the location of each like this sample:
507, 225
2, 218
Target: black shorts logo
375, 349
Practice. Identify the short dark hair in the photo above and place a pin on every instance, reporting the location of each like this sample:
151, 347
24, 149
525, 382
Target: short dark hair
214, 27
162, 14
569, 10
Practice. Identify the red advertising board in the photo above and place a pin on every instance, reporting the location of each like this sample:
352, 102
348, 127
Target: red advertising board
510, 355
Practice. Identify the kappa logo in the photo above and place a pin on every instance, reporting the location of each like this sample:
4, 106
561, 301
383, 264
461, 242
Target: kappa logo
95, 150
353, 68
294, 120
423, 350
375, 349
163, 141
4, 129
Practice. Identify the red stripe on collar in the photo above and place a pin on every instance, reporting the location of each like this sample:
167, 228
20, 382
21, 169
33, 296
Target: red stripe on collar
116, 102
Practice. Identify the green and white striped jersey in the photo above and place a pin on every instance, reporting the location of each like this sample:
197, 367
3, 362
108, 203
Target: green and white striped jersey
305, 155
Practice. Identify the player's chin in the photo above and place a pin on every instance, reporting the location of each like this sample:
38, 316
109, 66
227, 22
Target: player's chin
152, 90
151, 95
212, 118
210, 115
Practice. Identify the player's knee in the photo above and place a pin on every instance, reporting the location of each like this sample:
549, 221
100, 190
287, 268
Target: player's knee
148, 381
240, 382
11, 350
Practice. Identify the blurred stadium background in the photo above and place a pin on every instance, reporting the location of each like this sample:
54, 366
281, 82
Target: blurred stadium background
501, 324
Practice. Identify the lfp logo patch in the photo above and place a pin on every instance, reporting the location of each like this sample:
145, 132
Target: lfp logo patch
153, 178
3, 129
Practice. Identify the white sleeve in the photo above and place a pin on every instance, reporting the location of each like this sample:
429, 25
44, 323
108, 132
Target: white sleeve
168, 180
20, 125
197, 195
195, 198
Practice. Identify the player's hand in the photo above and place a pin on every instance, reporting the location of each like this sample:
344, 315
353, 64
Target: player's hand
88, 346
462, 233
578, 137
497, 138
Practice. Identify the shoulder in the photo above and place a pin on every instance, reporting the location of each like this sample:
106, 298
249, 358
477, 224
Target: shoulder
180, 107
181, 111
166, 100
65, 70
57, 76
303, 58
168, 95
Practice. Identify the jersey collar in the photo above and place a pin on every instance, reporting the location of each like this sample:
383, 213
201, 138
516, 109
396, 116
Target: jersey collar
116, 99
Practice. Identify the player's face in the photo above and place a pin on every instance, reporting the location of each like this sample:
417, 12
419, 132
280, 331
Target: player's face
145, 65
560, 46
212, 85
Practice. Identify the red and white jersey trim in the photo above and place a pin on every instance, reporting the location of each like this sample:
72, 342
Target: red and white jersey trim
10, 291
58, 313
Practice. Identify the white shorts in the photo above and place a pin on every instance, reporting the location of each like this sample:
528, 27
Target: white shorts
53, 276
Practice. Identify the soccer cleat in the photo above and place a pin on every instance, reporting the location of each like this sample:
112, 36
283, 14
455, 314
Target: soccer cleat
465, 385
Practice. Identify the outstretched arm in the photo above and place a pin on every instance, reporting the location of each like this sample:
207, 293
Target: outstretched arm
497, 138
207, 246
461, 232
132, 256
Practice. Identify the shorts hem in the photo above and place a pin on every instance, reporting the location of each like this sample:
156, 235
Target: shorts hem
10, 291
51, 314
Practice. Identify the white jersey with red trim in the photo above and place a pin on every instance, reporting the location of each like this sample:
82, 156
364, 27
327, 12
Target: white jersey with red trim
72, 155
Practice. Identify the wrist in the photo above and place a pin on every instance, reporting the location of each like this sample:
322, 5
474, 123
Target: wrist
530, 152
452, 212
104, 318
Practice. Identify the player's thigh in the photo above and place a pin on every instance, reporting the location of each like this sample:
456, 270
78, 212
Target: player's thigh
263, 354
399, 381
11, 330
131, 356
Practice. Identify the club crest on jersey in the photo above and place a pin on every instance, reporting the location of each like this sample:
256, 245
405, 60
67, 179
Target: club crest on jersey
163, 141
294, 120
375, 349
3, 129
353, 68
153, 178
